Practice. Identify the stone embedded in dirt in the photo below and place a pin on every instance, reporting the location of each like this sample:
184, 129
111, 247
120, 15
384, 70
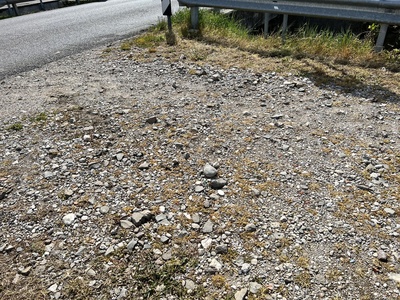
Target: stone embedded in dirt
254, 287
68, 219
209, 171
217, 184
241, 294
25, 270
389, 211
138, 218
221, 249
48, 174
144, 166
208, 227
215, 264
190, 285
206, 243
152, 120
131, 245
382, 256
126, 224
198, 188
250, 227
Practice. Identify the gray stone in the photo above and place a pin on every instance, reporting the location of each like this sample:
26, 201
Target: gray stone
131, 245
221, 249
167, 255
126, 224
152, 120
68, 193
110, 250
245, 269
216, 264
240, 295
190, 285
208, 227
254, 287
218, 183
196, 218
24, 271
48, 174
209, 171
164, 239
389, 211
144, 166
104, 209
382, 256
250, 227
68, 219
53, 288
139, 218
198, 188
160, 217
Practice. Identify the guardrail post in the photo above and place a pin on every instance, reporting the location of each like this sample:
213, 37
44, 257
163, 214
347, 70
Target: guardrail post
194, 17
381, 37
267, 17
284, 27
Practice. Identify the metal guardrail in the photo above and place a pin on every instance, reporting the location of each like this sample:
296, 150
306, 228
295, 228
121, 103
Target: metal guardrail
375, 11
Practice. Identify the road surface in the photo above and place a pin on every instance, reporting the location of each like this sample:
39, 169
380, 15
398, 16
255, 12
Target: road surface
33, 40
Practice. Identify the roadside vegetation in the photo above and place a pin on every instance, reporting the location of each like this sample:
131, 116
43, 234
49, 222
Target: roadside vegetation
345, 59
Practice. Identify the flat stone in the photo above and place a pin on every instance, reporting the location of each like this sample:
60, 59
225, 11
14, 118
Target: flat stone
208, 227
48, 174
144, 166
389, 211
167, 255
215, 264
25, 271
139, 218
198, 188
221, 249
126, 224
53, 288
152, 120
254, 287
131, 245
240, 295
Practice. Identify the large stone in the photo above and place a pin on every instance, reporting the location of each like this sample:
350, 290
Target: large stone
240, 295
68, 219
209, 171
217, 183
208, 227
139, 218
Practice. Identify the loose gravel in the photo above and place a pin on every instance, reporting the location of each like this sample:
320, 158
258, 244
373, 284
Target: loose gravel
160, 179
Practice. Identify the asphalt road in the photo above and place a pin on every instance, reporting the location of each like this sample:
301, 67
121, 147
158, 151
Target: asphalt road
30, 41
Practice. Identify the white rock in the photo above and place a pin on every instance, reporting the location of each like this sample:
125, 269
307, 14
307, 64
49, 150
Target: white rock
68, 219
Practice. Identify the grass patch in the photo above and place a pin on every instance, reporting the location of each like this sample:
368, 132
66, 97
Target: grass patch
305, 42
16, 127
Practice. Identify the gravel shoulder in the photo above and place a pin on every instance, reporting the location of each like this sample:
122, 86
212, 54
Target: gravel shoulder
181, 174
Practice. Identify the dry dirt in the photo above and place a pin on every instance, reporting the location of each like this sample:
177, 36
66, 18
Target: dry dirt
199, 172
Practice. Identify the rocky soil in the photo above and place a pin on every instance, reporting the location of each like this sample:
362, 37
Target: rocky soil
152, 178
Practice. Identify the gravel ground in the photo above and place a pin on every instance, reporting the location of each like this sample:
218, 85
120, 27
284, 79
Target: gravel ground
123, 178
